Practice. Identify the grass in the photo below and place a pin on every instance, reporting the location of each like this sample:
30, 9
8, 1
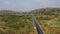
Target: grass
55, 22
51, 26
23, 24
17, 24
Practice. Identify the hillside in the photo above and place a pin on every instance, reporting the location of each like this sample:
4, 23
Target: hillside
47, 11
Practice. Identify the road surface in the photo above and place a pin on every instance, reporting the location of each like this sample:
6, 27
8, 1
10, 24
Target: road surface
39, 30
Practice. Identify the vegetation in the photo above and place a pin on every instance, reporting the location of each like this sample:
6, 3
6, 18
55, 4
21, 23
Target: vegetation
22, 23
16, 24
49, 19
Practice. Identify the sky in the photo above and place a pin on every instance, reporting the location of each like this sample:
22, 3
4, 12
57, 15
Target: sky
27, 5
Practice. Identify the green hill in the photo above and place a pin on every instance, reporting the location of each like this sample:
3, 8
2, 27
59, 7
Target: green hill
47, 11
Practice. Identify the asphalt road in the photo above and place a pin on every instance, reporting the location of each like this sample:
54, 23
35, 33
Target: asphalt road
39, 30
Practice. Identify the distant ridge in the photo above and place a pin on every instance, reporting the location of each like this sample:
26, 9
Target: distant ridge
7, 12
46, 11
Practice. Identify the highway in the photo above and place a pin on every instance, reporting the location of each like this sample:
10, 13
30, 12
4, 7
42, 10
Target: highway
39, 30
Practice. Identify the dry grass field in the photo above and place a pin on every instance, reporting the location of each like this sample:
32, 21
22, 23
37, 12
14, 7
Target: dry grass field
17, 24
50, 25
